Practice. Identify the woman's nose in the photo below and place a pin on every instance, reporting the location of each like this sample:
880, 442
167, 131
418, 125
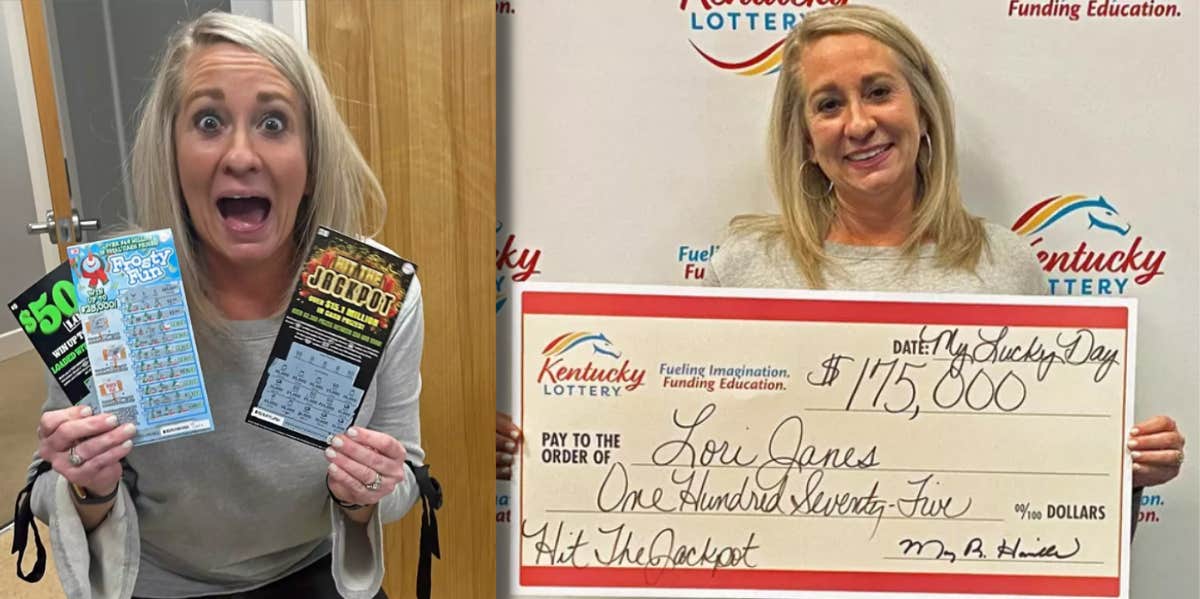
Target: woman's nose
241, 157
859, 124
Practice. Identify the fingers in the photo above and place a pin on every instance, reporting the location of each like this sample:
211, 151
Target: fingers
97, 441
505, 444
356, 458
1157, 452
508, 437
1167, 440
95, 447
51, 420
1149, 476
1168, 457
59, 428
350, 489
506, 428
1157, 424
68, 434
382, 443
101, 472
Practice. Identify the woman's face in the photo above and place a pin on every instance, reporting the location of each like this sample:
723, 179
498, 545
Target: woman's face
862, 117
240, 147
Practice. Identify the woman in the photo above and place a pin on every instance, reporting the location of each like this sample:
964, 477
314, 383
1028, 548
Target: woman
865, 170
241, 152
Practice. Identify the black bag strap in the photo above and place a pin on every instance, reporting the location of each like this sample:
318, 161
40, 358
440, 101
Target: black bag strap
23, 520
431, 500
23, 523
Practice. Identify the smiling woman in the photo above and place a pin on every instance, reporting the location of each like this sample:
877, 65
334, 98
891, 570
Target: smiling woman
241, 152
865, 170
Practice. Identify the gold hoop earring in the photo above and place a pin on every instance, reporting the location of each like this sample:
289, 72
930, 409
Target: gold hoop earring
828, 188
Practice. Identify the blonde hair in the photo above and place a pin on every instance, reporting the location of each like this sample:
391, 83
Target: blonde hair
345, 194
807, 203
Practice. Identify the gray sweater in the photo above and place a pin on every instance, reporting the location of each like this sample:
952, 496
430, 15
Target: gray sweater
1007, 267
239, 507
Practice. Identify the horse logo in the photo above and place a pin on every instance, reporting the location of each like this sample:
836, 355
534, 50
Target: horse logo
567, 341
1100, 214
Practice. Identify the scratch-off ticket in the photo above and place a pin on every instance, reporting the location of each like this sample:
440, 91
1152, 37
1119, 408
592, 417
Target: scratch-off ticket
331, 339
139, 336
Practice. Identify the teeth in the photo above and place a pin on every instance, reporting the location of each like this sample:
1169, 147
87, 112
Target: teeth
867, 155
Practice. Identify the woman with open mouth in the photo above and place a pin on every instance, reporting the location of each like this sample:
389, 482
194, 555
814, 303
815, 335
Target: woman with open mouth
242, 154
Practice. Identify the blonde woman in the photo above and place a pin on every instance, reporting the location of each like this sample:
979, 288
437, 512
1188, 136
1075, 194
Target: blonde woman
241, 152
864, 167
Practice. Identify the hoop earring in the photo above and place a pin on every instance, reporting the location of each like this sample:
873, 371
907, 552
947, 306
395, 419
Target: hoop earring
828, 188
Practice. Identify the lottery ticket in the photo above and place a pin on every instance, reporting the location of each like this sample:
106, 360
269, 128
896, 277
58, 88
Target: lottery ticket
334, 331
139, 336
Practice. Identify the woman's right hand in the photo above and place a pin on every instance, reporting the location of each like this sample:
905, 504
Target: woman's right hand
97, 440
508, 438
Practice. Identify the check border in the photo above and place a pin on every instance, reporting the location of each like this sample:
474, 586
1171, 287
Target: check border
541, 298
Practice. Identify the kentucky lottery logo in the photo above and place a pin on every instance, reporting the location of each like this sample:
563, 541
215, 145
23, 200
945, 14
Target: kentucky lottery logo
1059, 228
605, 373
759, 27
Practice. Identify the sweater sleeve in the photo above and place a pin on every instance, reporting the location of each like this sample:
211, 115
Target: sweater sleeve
358, 548
99, 564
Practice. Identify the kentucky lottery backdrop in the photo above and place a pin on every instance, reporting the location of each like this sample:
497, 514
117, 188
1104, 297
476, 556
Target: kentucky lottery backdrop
631, 131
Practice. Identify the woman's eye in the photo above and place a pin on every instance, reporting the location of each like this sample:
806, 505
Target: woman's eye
880, 92
208, 123
827, 105
273, 124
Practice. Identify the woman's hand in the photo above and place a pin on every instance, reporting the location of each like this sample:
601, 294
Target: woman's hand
508, 438
364, 467
85, 449
1157, 451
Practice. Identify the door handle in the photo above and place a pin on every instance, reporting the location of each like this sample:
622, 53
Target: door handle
79, 226
70, 230
49, 228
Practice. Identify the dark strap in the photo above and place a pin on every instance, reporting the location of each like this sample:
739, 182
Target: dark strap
431, 500
23, 520
23, 523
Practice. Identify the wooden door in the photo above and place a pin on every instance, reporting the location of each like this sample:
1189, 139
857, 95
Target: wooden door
47, 112
416, 83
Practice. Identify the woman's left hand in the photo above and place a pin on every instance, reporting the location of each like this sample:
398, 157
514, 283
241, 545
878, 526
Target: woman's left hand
1157, 451
364, 465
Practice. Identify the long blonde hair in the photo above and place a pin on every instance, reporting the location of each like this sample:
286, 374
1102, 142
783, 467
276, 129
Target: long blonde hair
345, 194
806, 200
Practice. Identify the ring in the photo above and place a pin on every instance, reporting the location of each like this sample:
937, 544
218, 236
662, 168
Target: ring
375, 484
74, 458
1180, 461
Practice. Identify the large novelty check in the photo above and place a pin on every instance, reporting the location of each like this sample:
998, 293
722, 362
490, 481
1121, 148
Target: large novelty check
684, 442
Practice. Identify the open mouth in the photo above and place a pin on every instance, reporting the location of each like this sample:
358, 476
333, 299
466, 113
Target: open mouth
244, 213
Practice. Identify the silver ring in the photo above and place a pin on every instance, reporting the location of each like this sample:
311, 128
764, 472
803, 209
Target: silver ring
74, 458
375, 484
1180, 457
